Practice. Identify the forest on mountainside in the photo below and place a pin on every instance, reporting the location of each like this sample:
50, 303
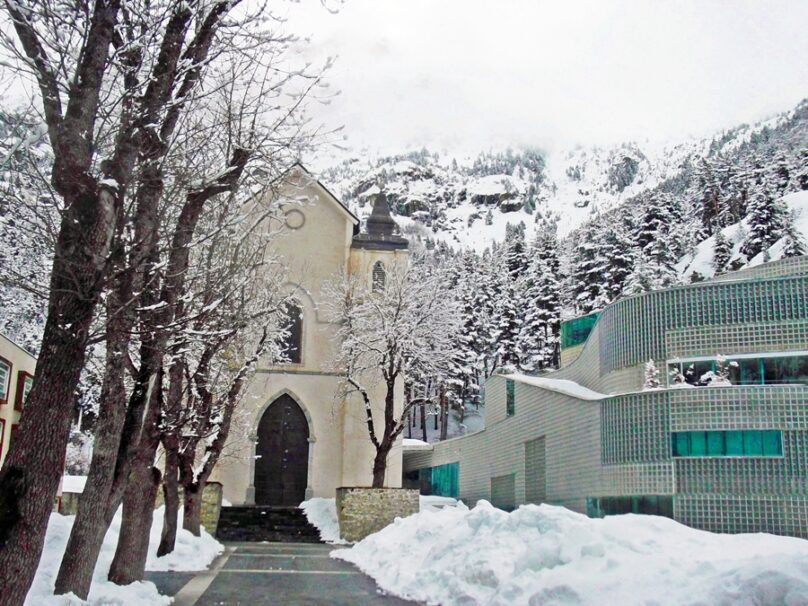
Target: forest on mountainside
513, 294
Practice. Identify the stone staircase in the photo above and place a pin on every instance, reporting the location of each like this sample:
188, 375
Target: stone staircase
271, 524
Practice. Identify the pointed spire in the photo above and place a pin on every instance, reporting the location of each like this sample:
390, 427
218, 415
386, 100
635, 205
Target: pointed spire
381, 230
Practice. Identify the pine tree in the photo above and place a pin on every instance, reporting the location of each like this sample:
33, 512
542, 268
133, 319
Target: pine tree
722, 251
616, 261
585, 279
652, 380
794, 245
768, 220
538, 336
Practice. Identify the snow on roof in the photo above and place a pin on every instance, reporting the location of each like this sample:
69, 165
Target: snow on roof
74, 484
562, 386
413, 445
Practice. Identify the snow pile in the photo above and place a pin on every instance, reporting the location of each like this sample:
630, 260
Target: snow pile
322, 514
433, 503
191, 554
550, 556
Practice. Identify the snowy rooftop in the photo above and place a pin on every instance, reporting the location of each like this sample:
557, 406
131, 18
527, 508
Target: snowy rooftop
562, 386
413, 445
74, 484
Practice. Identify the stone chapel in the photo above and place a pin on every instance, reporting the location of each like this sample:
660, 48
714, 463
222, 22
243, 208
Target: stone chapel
303, 440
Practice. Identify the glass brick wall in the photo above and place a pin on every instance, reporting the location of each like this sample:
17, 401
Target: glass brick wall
634, 330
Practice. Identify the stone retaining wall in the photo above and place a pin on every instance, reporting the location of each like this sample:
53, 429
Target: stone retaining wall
363, 511
211, 504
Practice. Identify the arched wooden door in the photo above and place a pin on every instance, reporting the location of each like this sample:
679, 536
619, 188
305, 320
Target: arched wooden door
282, 463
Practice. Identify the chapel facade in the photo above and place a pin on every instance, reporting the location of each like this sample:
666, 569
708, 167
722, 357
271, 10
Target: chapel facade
303, 438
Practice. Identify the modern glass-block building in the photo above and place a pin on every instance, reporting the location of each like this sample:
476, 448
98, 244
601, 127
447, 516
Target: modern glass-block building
726, 456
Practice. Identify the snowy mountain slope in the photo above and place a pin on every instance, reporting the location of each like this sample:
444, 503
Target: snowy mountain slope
469, 202
701, 260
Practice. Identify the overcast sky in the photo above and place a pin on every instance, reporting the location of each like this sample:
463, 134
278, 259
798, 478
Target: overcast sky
465, 75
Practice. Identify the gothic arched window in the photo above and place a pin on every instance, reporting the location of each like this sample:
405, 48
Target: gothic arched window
379, 276
292, 346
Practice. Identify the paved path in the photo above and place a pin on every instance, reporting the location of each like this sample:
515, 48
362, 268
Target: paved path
266, 574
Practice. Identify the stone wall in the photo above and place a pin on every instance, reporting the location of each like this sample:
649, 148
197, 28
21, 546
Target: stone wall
363, 511
211, 504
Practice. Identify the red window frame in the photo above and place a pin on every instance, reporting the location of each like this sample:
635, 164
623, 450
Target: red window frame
2, 435
10, 372
21, 377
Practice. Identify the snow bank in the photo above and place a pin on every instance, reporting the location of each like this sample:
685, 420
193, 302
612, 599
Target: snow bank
550, 556
322, 514
191, 554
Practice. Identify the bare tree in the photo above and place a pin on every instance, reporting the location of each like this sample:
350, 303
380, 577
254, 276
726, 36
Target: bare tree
115, 80
403, 329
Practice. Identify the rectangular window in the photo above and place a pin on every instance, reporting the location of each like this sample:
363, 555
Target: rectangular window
656, 505
5, 379
24, 383
510, 398
739, 443
775, 370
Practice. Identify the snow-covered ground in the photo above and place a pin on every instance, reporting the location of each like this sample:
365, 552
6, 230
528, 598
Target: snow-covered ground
191, 554
550, 556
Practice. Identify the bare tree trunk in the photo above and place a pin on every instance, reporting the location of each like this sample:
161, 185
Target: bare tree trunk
129, 563
422, 407
444, 413
192, 507
168, 538
94, 514
380, 464
142, 483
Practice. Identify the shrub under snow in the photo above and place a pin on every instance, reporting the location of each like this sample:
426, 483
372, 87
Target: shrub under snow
550, 556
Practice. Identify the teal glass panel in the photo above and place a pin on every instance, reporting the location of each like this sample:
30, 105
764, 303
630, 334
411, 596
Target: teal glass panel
681, 444
576, 331
753, 443
510, 398
734, 443
772, 443
698, 444
740, 443
715, 444
446, 480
